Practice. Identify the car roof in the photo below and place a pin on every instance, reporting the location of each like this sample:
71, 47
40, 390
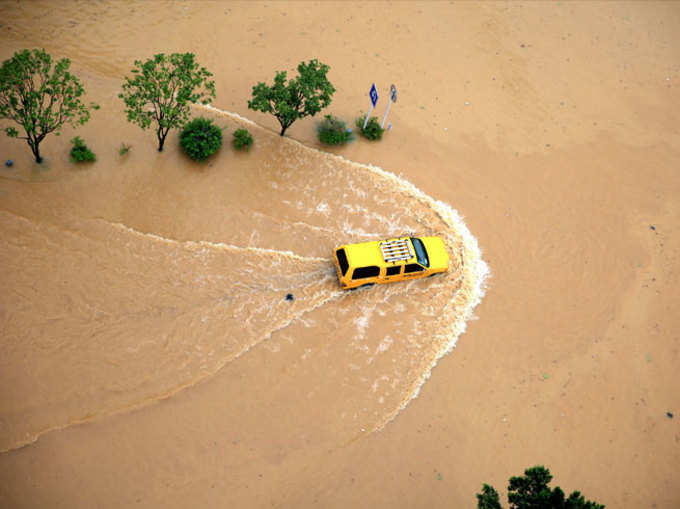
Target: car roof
369, 253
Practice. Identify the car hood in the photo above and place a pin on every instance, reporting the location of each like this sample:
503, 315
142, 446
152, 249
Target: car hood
436, 251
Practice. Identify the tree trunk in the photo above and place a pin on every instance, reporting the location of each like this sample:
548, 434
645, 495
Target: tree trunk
283, 129
35, 148
161, 140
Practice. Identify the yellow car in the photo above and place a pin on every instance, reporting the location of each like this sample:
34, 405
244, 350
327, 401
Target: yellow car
388, 261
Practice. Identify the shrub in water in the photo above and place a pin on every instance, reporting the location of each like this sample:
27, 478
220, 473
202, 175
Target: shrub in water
242, 139
333, 131
200, 138
80, 153
372, 131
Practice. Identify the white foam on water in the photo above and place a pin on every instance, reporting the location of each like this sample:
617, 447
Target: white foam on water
362, 321
384, 344
238, 117
203, 244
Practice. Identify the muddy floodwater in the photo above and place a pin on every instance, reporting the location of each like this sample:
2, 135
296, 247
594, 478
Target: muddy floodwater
149, 356
108, 314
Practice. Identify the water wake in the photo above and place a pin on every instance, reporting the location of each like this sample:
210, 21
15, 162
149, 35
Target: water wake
473, 270
114, 319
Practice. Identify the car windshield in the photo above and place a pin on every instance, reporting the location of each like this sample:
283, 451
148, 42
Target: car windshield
421, 253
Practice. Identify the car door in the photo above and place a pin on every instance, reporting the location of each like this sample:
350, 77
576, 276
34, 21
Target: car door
413, 270
393, 273
365, 275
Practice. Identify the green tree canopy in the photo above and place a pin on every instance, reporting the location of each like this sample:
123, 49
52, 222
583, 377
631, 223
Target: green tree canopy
300, 97
531, 491
488, 498
162, 90
39, 98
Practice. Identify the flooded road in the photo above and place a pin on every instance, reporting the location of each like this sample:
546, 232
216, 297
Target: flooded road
149, 357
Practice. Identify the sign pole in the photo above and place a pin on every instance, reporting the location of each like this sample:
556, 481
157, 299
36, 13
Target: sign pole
393, 98
368, 115
382, 124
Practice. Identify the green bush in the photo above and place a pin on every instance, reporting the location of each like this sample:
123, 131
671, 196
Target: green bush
80, 153
333, 131
242, 139
124, 149
200, 138
372, 131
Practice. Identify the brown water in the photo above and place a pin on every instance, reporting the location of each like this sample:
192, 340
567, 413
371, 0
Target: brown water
113, 312
148, 355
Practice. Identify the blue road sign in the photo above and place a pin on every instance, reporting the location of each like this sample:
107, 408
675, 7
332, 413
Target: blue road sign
374, 94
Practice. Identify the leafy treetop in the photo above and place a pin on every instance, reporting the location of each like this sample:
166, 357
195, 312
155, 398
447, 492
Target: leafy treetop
531, 491
39, 98
162, 89
305, 95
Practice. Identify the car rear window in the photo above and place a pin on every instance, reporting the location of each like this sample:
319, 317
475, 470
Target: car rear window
342, 260
364, 272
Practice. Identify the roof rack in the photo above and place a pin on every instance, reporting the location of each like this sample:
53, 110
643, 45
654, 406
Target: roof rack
395, 250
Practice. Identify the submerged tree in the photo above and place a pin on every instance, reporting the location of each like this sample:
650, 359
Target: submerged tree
39, 98
162, 90
300, 97
531, 491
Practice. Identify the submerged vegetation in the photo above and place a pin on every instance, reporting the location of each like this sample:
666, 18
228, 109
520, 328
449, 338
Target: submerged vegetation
242, 139
531, 491
159, 94
80, 153
305, 95
200, 138
372, 131
39, 98
162, 89
333, 131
